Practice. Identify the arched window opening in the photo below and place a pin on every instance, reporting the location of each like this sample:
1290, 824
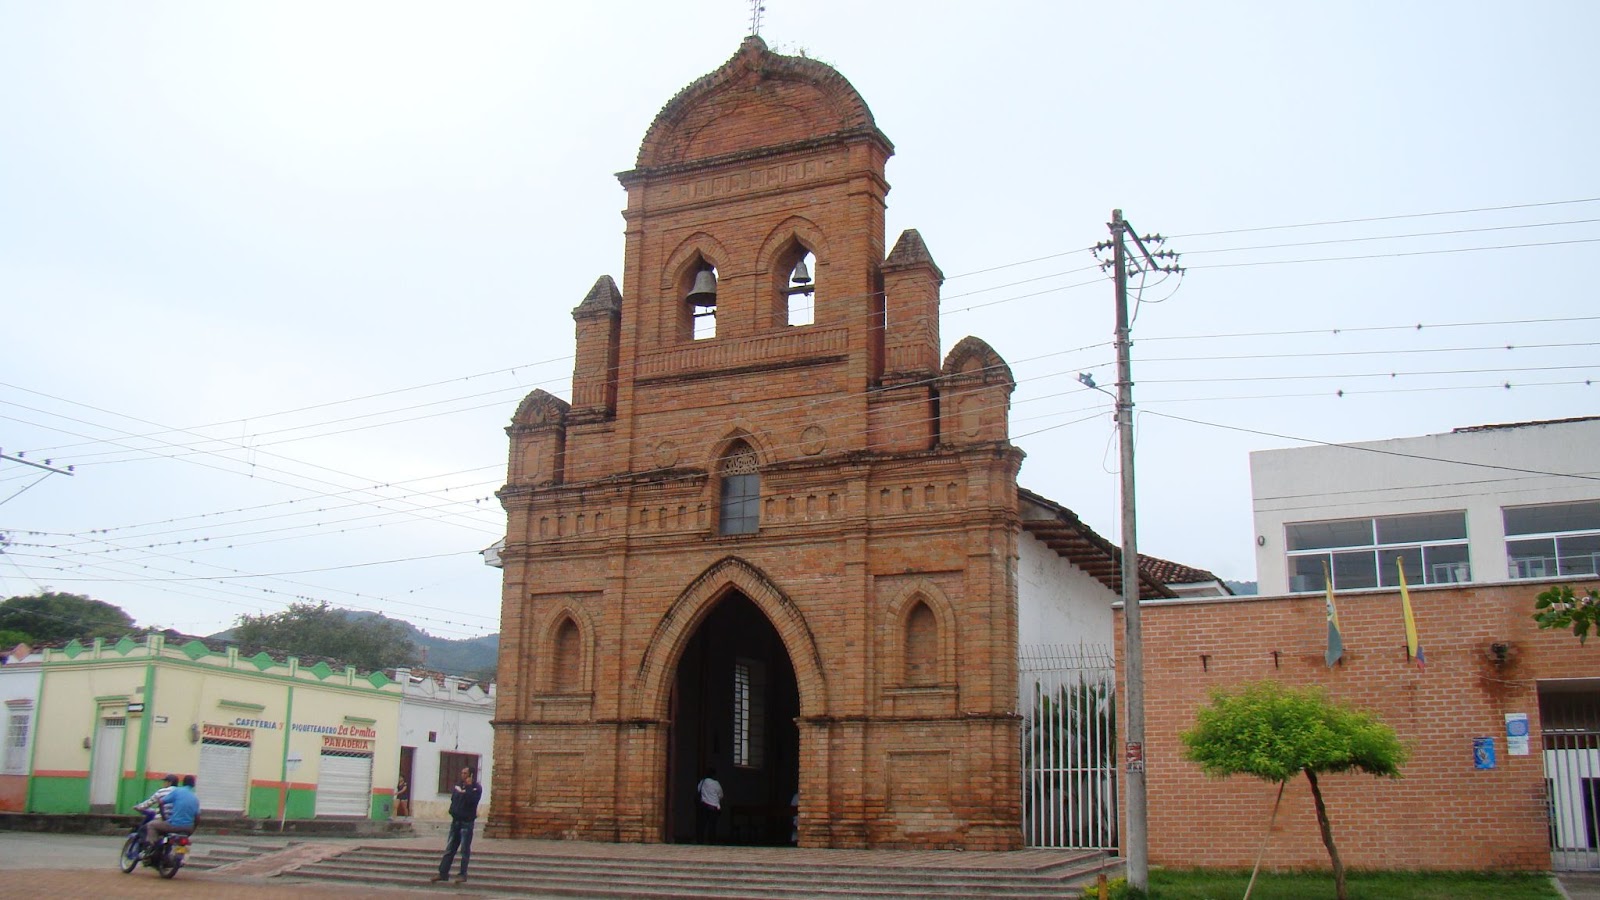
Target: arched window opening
568, 658
922, 645
800, 291
740, 511
700, 300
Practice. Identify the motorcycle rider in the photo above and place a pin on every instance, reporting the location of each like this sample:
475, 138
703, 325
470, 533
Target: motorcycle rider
154, 806
179, 808
155, 803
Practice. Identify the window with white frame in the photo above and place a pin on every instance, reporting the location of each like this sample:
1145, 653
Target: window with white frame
1553, 539
749, 712
1363, 553
19, 721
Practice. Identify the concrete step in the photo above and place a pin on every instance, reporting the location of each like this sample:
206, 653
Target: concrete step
488, 861
212, 853
557, 875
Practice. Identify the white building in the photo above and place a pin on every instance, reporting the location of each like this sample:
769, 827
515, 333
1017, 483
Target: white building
444, 726
1490, 503
20, 674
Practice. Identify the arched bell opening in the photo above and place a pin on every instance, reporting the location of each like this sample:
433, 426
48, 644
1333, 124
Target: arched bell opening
697, 290
733, 708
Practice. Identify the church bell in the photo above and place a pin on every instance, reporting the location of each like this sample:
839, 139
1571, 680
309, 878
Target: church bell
704, 292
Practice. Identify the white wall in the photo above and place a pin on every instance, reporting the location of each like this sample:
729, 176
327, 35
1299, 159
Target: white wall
457, 713
1058, 603
1422, 474
19, 689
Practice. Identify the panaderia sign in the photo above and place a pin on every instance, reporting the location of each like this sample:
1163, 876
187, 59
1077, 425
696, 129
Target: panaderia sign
226, 732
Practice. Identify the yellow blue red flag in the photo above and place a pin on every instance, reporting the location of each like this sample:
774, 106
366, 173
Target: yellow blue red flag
1413, 646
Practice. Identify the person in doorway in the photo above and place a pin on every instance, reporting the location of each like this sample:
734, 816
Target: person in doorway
708, 807
794, 823
179, 808
464, 797
402, 797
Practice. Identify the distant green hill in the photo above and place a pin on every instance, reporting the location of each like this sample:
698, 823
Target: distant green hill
473, 658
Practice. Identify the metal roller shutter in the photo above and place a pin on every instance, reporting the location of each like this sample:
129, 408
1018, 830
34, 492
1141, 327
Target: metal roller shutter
344, 784
224, 774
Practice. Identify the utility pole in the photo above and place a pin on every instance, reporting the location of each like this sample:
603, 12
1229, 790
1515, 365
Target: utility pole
1136, 835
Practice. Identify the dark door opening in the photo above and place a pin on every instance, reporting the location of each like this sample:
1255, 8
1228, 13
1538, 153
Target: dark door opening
734, 705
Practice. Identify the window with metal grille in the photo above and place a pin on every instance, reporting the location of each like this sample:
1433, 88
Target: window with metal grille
450, 766
749, 712
740, 511
17, 726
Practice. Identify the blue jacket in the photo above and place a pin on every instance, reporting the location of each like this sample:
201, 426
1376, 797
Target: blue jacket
464, 801
182, 806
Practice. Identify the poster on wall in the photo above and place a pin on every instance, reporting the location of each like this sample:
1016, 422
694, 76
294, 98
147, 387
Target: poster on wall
1483, 752
1517, 734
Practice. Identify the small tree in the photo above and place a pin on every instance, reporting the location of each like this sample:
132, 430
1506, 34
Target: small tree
1275, 732
317, 629
1559, 607
53, 617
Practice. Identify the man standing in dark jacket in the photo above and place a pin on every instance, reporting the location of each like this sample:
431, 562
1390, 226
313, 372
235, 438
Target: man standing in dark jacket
464, 797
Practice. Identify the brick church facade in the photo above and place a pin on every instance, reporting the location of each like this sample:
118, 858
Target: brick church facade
774, 532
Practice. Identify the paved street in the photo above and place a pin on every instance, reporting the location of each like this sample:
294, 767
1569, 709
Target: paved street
76, 865
85, 866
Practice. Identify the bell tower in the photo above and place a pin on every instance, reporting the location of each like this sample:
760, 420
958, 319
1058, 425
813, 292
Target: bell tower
772, 532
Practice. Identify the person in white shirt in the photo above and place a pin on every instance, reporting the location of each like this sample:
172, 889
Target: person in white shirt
708, 807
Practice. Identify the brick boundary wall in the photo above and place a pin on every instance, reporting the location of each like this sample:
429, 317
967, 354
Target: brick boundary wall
1444, 813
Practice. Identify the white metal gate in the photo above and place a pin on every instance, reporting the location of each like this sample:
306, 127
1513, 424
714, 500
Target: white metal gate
1570, 726
1069, 738
224, 774
107, 774
344, 784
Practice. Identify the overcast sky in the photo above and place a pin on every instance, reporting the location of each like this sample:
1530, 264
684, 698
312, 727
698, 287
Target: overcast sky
274, 276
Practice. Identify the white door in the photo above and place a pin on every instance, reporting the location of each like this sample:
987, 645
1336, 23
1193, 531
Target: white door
344, 784
224, 774
107, 765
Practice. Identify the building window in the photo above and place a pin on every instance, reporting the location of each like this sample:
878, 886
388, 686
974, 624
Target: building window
800, 292
749, 712
450, 766
741, 491
1553, 539
922, 646
17, 725
1361, 553
568, 675
701, 301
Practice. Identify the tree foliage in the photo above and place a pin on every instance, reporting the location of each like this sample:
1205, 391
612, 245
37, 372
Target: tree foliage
56, 618
318, 630
1559, 607
1275, 732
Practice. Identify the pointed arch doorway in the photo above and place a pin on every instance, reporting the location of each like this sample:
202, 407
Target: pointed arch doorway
734, 702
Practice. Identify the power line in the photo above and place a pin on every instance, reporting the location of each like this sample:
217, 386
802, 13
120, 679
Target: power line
1390, 218
1285, 262
1381, 452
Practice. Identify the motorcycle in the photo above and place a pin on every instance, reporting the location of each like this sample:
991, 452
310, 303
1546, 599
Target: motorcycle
170, 851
